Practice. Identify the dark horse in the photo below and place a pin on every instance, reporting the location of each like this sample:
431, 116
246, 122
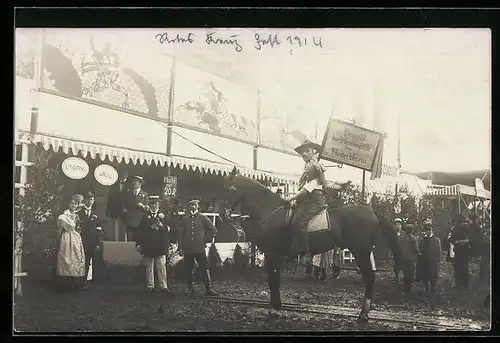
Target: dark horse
351, 227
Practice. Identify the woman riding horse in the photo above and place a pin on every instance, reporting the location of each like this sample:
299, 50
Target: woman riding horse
351, 227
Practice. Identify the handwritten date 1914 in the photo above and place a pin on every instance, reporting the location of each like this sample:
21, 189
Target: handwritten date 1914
164, 38
302, 41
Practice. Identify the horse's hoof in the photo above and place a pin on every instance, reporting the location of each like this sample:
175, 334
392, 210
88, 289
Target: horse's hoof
276, 307
362, 320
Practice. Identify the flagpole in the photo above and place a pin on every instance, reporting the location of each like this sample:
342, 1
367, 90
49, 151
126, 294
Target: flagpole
399, 155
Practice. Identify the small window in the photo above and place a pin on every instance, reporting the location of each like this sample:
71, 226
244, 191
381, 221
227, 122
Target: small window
17, 175
19, 149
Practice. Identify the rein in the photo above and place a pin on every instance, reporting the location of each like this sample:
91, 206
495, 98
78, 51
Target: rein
271, 214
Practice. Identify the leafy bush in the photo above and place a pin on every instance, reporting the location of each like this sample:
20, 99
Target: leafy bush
37, 210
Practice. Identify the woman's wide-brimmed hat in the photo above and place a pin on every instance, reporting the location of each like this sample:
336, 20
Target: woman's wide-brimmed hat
307, 144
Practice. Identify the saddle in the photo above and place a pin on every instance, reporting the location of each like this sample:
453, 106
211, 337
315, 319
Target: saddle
318, 223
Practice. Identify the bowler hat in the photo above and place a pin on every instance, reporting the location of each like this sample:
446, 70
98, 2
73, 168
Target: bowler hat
397, 220
408, 228
137, 177
307, 144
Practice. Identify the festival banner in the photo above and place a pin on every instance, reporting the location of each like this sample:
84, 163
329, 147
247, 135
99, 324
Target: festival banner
214, 104
351, 145
102, 68
26, 42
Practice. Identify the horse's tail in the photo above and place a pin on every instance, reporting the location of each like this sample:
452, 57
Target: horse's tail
389, 232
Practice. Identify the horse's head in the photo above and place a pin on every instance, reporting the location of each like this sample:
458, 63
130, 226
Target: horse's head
248, 191
262, 204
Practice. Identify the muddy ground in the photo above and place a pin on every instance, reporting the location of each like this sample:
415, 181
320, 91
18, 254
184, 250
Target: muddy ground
115, 306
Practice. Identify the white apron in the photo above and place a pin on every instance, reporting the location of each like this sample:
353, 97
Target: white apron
70, 256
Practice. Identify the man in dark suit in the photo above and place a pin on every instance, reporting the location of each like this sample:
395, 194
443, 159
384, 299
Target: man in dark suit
196, 230
461, 245
152, 241
398, 266
135, 206
115, 205
90, 228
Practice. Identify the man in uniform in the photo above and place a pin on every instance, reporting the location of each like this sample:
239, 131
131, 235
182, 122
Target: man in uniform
196, 230
135, 205
310, 198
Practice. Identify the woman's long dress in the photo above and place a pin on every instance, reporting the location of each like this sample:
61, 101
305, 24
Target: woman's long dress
70, 265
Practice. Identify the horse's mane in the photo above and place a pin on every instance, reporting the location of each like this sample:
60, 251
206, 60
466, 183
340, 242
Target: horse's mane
253, 188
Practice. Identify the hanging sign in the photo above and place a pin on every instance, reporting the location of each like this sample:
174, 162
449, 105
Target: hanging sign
169, 187
105, 174
75, 168
349, 144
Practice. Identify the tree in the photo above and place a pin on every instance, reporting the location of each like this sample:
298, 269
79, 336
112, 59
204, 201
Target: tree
35, 214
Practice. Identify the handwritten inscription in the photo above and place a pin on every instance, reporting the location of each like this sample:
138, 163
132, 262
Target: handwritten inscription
165, 38
271, 40
232, 40
261, 41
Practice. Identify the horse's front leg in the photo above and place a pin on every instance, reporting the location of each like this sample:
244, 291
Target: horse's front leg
274, 279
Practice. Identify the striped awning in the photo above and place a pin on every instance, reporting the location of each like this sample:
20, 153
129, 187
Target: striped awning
446, 191
125, 155
456, 190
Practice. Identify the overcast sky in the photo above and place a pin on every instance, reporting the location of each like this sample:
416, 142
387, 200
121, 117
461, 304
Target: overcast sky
437, 80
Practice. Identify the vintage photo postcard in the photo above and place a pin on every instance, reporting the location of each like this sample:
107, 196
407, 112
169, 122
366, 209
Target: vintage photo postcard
252, 180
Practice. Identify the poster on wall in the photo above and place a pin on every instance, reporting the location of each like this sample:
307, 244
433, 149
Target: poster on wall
99, 66
284, 125
349, 144
215, 105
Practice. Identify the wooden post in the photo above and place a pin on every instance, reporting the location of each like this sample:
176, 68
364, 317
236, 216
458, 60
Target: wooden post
363, 187
18, 248
253, 251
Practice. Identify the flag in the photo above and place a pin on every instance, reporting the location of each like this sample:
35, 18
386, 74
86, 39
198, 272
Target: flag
298, 135
377, 166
